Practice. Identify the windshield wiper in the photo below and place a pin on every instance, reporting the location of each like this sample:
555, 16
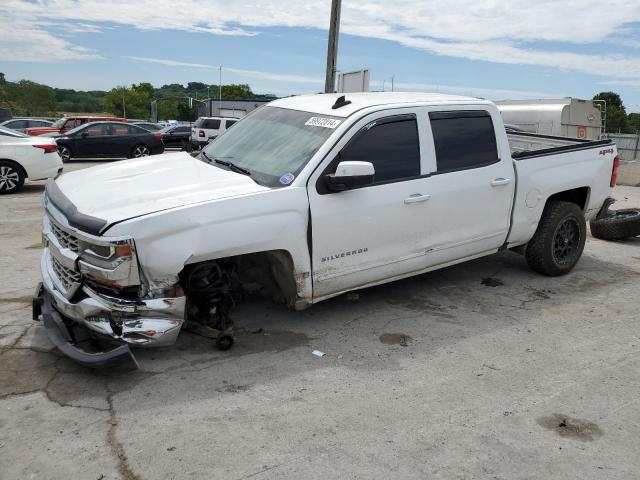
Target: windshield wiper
229, 165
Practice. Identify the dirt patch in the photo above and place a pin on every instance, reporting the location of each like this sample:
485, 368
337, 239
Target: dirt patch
26, 299
570, 427
230, 388
492, 282
395, 339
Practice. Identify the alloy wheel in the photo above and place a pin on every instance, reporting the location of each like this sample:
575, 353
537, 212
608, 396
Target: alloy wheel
141, 151
9, 179
566, 241
65, 153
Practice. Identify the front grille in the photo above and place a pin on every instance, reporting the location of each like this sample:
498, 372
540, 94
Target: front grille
69, 278
66, 239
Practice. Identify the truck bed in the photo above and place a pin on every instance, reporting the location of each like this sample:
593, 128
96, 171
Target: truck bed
527, 145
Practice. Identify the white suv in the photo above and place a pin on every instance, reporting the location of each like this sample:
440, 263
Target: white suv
207, 128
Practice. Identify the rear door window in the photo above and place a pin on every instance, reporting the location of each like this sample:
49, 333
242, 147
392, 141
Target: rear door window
463, 140
391, 145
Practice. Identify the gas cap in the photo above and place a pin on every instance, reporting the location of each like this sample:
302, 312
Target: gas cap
533, 197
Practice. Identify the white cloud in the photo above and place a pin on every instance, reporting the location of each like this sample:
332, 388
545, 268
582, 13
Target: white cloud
25, 43
278, 77
490, 30
481, 92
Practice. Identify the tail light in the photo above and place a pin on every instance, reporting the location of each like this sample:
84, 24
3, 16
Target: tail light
158, 136
201, 133
48, 148
614, 171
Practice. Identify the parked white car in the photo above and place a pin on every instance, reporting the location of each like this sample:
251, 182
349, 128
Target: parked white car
23, 157
206, 129
307, 198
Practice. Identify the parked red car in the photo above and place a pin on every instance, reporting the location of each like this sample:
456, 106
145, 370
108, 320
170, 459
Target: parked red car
67, 123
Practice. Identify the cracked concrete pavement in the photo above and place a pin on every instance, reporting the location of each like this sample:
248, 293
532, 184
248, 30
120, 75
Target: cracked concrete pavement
505, 375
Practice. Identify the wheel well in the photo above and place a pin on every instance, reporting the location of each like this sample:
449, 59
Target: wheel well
269, 273
578, 196
17, 165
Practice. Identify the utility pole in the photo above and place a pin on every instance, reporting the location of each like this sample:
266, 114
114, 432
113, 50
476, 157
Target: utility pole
392, 82
332, 47
124, 108
220, 92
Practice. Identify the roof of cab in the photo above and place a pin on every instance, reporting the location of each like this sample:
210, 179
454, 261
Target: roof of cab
322, 103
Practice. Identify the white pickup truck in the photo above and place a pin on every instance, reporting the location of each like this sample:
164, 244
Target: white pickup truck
305, 199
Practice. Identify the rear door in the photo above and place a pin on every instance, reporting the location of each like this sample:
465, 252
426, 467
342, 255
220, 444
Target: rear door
471, 188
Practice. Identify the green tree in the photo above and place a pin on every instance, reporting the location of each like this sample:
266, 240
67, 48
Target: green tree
615, 112
634, 122
134, 102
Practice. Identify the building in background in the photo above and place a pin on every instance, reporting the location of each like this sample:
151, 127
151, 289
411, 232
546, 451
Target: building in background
230, 108
564, 117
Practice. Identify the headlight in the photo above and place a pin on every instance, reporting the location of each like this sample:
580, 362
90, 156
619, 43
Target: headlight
111, 264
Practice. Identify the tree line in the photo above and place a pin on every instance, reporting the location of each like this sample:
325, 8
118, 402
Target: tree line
27, 98
617, 118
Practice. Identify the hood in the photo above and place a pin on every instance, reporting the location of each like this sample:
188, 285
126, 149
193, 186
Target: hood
131, 188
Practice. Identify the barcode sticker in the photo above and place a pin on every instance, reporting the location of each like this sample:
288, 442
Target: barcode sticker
323, 122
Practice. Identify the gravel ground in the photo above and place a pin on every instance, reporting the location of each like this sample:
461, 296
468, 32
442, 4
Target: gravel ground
483, 370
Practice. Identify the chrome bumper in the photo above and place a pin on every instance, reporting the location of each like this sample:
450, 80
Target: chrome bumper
148, 323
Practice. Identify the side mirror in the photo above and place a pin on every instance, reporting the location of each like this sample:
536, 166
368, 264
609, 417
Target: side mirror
350, 175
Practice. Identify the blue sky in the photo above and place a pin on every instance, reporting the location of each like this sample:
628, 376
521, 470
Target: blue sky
486, 49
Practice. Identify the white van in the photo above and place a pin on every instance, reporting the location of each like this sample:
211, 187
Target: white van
207, 128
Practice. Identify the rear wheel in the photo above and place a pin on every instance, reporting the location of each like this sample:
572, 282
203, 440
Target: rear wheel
11, 177
65, 153
559, 240
140, 151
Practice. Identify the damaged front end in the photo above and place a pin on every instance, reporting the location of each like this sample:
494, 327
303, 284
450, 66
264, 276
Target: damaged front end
93, 300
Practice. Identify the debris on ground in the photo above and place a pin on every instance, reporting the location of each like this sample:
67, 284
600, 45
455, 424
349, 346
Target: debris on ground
318, 353
395, 339
492, 282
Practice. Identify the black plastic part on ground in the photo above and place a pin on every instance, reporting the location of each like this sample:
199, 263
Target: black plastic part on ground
119, 358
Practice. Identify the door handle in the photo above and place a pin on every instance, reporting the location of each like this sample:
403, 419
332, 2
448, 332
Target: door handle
416, 198
500, 181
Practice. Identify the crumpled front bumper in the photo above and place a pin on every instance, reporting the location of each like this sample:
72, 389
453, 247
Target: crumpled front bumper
123, 323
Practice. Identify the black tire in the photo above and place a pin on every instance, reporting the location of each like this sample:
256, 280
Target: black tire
559, 240
622, 224
65, 153
140, 151
11, 177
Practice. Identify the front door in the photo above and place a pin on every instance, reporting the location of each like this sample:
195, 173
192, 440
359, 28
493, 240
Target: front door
372, 233
89, 142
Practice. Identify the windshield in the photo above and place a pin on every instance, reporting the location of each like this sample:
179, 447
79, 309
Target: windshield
59, 123
74, 131
273, 144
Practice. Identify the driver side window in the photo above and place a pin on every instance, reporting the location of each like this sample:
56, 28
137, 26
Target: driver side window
391, 145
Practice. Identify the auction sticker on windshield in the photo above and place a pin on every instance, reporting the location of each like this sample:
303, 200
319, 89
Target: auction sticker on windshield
323, 122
